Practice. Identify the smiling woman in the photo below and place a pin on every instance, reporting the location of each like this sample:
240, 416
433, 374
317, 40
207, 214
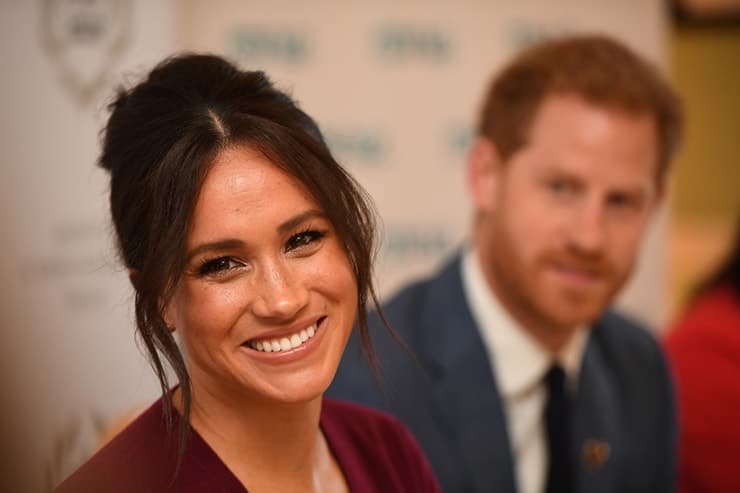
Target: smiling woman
268, 296
245, 238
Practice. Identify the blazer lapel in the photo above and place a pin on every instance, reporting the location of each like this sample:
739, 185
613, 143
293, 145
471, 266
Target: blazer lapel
596, 429
463, 386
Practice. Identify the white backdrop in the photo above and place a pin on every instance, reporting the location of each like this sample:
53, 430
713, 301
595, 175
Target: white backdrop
394, 84
396, 87
67, 354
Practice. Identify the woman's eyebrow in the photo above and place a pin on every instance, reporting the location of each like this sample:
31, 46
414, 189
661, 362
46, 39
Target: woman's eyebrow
225, 244
232, 243
296, 220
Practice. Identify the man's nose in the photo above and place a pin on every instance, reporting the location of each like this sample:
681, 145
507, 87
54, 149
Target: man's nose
588, 230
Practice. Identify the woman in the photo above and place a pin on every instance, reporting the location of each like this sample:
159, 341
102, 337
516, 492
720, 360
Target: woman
245, 238
703, 348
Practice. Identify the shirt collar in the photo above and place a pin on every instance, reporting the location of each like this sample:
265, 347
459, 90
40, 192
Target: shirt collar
519, 361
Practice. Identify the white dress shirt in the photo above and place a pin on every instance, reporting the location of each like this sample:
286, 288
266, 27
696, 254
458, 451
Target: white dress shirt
519, 364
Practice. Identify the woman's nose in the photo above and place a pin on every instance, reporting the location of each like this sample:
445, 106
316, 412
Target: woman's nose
279, 293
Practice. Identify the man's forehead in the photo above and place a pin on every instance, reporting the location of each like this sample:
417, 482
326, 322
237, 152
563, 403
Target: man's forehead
572, 130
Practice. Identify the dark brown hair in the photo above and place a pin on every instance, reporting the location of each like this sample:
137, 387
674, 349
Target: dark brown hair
599, 69
159, 142
728, 273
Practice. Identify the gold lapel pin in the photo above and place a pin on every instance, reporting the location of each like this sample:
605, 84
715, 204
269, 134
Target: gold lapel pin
595, 453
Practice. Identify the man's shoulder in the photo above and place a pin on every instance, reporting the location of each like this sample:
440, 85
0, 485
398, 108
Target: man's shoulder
415, 314
624, 334
631, 351
419, 295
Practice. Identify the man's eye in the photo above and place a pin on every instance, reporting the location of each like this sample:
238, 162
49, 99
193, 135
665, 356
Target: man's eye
303, 239
619, 200
559, 186
217, 265
624, 201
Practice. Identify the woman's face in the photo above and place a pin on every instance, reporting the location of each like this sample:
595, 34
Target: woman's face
268, 297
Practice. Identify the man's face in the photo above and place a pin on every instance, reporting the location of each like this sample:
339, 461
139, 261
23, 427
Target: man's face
560, 221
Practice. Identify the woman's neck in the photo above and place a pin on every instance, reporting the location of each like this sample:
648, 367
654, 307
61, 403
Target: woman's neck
268, 446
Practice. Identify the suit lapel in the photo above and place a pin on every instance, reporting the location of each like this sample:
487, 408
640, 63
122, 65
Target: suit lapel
596, 428
463, 386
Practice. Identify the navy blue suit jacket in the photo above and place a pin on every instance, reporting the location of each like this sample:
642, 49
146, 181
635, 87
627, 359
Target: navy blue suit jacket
445, 392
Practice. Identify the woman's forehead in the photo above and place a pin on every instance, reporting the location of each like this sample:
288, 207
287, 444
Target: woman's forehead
243, 187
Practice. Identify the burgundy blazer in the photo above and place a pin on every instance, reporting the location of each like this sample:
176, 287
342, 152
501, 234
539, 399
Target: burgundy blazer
375, 452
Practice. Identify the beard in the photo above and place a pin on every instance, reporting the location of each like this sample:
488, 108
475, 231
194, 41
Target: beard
558, 289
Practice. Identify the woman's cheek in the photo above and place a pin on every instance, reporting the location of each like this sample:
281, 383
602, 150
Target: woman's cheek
213, 307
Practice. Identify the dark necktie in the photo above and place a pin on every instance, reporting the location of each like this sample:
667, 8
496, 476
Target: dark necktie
557, 421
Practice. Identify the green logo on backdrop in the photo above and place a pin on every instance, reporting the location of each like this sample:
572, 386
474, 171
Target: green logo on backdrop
251, 43
524, 33
405, 43
404, 241
459, 138
357, 148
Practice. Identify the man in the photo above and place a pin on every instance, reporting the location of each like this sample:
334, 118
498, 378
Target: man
517, 376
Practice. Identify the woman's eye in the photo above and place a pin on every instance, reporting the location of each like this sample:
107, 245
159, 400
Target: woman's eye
216, 266
303, 239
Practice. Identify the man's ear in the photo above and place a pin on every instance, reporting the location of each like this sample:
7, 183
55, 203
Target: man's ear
661, 191
484, 173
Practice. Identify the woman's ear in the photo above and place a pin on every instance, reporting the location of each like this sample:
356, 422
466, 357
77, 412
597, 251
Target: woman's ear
169, 319
167, 315
484, 170
133, 276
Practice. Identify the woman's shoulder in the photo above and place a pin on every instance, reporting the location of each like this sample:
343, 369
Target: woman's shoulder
349, 413
360, 424
139, 455
374, 449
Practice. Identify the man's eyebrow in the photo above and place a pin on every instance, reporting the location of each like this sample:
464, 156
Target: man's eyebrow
559, 171
300, 218
231, 243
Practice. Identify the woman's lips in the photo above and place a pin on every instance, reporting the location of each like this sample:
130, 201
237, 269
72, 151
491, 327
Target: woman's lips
284, 343
288, 342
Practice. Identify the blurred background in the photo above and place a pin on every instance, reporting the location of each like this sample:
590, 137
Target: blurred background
395, 87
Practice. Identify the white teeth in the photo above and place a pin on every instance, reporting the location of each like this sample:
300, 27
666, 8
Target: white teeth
285, 343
